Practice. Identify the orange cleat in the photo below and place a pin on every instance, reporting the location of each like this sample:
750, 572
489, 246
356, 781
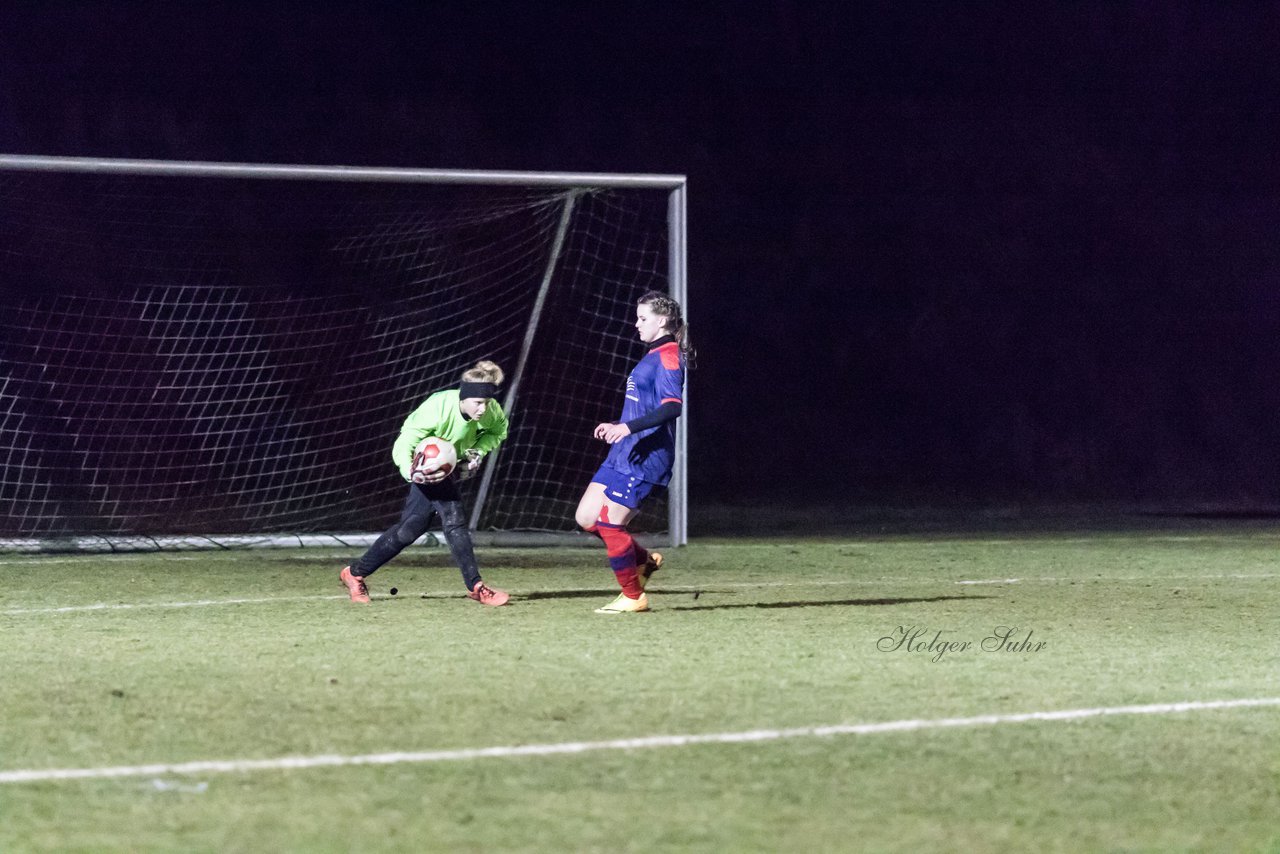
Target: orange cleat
486, 595
354, 584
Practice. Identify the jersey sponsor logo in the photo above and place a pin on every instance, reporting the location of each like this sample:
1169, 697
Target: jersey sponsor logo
631, 389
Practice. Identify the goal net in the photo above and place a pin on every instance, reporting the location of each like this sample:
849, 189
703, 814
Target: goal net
217, 353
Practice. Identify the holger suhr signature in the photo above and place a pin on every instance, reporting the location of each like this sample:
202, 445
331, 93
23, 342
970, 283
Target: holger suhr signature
937, 643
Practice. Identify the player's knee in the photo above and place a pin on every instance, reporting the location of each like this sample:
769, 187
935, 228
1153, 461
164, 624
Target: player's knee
457, 534
452, 518
590, 518
411, 529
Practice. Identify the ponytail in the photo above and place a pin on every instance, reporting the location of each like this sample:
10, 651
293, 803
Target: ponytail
664, 306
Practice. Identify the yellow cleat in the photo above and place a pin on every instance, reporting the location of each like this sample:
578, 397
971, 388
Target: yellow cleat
652, 565
623, 605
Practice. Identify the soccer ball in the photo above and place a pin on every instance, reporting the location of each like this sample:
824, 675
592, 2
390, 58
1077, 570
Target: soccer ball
434, 455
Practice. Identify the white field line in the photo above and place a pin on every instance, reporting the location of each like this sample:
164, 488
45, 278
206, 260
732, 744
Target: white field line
1084, 579
291, 763
712, 587
199, 603
1032, 539
40, 560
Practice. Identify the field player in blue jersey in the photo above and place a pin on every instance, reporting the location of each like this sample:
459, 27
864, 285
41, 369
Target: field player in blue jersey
643, 449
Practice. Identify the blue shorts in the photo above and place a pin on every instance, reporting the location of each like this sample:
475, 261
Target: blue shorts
625, 489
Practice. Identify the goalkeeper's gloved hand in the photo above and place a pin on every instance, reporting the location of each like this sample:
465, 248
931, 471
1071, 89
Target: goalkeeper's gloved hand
470, 464
420, 476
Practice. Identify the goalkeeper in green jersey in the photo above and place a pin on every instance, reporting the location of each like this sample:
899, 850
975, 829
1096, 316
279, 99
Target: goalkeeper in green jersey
475, 424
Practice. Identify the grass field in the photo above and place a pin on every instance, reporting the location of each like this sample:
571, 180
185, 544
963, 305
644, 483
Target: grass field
352, 728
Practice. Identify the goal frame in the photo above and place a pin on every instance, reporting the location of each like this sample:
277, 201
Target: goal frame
677, 207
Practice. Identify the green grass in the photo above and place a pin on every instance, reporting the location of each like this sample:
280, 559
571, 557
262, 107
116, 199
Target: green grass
745, 635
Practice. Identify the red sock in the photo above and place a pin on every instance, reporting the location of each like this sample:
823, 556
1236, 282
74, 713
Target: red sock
622, 557
629, 581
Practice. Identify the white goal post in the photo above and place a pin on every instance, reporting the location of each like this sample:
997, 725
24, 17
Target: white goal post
200, 354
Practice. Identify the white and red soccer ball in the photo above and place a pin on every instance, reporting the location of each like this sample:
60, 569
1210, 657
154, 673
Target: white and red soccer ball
434, 455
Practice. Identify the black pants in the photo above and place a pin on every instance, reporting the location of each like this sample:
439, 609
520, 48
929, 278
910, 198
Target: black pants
424, 501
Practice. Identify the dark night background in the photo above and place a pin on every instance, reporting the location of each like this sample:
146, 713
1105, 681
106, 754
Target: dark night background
946, 253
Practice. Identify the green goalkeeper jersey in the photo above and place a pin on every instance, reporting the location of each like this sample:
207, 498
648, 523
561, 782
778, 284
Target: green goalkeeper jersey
439, 416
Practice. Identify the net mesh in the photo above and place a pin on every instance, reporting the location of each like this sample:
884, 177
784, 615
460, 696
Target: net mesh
202, 356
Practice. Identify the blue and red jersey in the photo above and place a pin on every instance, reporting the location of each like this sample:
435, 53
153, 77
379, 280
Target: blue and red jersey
656, 379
